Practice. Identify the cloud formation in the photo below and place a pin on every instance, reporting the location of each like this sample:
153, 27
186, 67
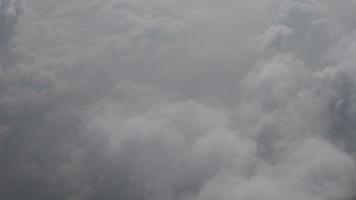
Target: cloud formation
177, 100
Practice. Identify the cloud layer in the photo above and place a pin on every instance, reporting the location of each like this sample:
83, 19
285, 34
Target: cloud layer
177, 100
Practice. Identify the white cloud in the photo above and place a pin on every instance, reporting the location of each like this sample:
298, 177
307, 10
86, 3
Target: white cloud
177, 100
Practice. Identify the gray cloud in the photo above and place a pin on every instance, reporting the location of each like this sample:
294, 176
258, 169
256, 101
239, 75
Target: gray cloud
177, 100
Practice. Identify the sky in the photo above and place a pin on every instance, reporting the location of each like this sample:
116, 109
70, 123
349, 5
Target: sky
177, 99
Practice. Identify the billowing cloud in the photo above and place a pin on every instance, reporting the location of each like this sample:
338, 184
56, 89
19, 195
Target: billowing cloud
177, 100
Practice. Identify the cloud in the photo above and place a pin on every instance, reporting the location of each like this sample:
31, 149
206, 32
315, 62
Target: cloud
177, 100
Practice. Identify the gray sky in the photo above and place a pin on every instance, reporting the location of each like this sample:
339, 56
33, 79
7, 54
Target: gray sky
177, 99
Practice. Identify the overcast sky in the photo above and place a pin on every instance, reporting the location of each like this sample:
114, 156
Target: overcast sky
177, 99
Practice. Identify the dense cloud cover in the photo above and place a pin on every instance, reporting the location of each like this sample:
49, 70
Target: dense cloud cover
177, 99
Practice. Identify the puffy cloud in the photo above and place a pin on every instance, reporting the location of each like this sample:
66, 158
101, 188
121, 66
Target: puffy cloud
177, 100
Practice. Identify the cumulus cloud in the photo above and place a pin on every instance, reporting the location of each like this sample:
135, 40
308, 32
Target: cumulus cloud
177, 100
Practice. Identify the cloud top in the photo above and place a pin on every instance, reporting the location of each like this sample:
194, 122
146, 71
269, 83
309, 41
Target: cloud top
177, 100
